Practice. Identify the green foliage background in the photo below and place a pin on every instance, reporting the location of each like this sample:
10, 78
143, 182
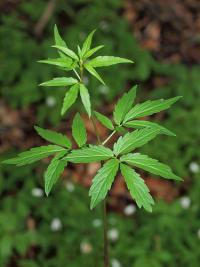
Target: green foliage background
168, 237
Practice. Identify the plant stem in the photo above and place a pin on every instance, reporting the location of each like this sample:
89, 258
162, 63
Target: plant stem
81, 71
107, 139
104, 209
105, 231
77, 74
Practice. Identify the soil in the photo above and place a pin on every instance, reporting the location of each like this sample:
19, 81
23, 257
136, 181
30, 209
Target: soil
169, 29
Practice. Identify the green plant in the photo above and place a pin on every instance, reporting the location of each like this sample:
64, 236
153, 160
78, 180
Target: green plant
125, 117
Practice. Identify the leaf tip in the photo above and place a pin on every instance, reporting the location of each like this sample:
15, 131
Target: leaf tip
62, 112
150, 210
55, 27
47, 190
176, 98
179, 179
93, 31
47, 193
91, 206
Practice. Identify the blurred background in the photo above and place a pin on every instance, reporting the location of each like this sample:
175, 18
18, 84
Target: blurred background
163, 38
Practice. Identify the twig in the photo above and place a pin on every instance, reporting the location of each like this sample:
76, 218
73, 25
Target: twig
44, 19
107, 139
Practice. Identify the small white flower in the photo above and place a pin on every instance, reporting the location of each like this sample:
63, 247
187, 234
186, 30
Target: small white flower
85, 80
113, 234
198, 233
103, 25
56, 225
185, 202
37, 192
194, 167
129, 210
86, 247
70, 187
50, 101
103, 89
97, 223
115, 263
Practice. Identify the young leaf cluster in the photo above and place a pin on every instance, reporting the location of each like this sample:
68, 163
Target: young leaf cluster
126, 117
77, 62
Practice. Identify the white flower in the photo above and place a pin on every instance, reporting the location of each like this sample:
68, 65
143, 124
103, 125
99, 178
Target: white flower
97, 223
56, 225
70, 186
103, 25
113, 234
198, 233
185, 202
50, 101
129, 210
194, 167
85, 247
115, 263
103, 89
37, 192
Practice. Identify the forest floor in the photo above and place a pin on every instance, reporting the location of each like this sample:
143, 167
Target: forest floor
171, 32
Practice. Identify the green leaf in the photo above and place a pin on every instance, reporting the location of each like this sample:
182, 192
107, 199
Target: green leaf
89, 154
150, 107
121, 130
60, 62
92, 71
92, 51
85, 97
61, 81
70, 98
79, 131
59, 41
34, 154
54, 137
79, 51
66, 51
151, 165
104, 61
102, 182
137, 187
104, 120
138, 124
138, 138
87, 43
54, 170
123, 105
